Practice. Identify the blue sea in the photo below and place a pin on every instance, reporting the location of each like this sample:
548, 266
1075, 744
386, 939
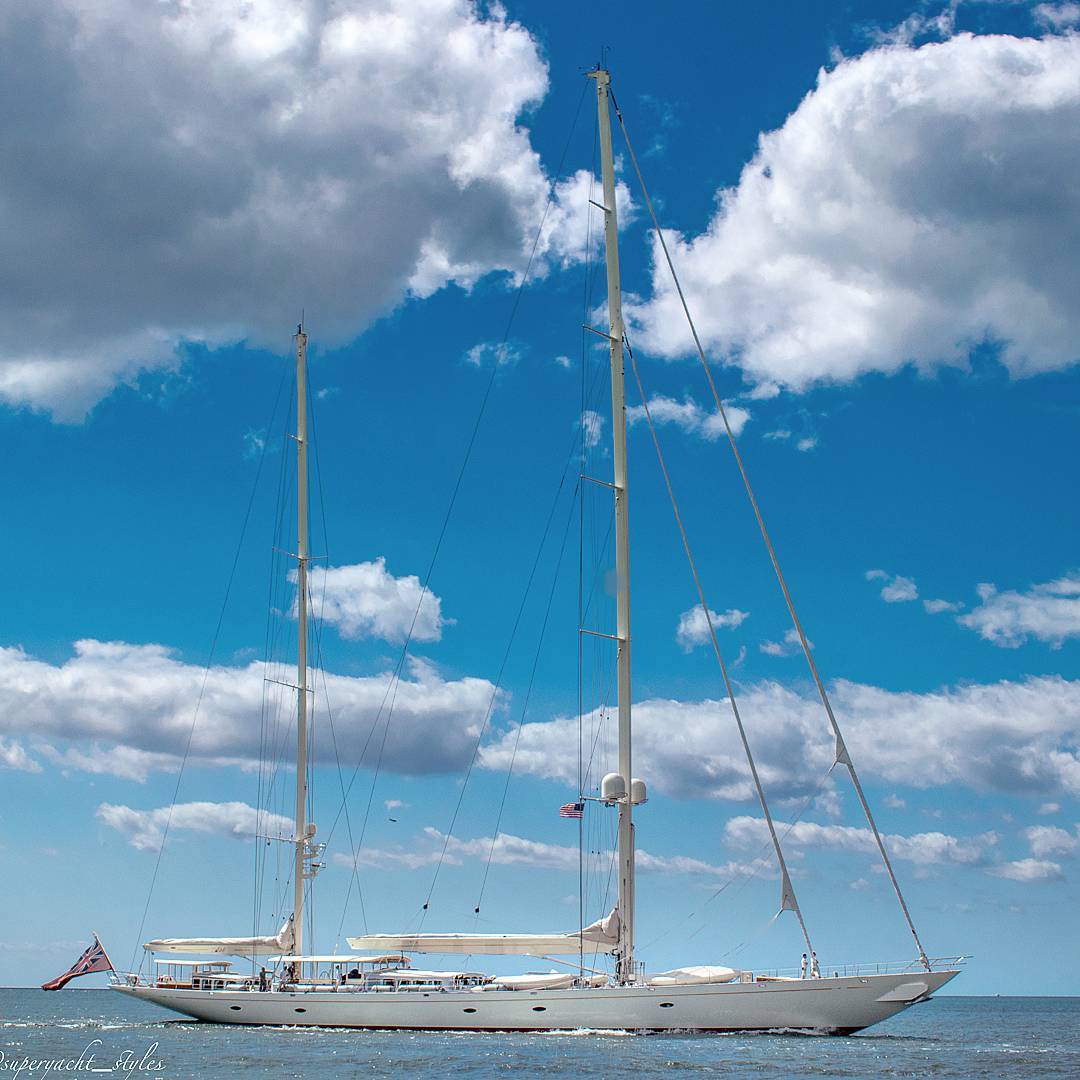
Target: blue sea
948, 1037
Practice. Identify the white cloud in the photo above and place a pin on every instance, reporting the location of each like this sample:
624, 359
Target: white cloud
510, 850
124, 708
125, 762
901, 215
897, 589
395, 804
1010, 737
1029, 870
894, 802
1057, 16
1049, 612
936, 607
501, 353
690, 416
788, 647
564, 362
592, 424
1049, 840
389, 858
918, 25
144, 829
922, 849
693, 628
1049, 808
366, 600
14, 756
245, 158
807, 443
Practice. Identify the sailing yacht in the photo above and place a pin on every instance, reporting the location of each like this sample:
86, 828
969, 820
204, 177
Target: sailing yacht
377, 986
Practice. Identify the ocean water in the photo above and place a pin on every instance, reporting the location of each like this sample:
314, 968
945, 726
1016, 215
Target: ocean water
947, 1037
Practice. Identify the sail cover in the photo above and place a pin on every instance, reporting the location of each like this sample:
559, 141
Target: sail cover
602, 935
282, 942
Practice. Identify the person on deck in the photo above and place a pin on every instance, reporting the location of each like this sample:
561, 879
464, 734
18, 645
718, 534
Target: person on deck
802, 969
815, 970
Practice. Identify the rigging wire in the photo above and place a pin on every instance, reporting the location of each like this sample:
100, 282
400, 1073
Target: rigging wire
320, 670
497, 686
470, 444
203, 684
842, 754
787, 890
528, 696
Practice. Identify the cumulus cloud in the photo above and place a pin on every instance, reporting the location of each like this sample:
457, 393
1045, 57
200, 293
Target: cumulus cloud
501, 353
908, 210
788, 647
366, 600
125, 709
693, 628
1049, 612
145, 829
246, 159
897, 589
922, 849
936, 607
1049, 840
690, 416
14, 756
1010, 737
1049, 808
592, 426
1057, 16
1029, 870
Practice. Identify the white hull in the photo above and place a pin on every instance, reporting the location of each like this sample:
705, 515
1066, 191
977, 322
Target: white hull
828, 1006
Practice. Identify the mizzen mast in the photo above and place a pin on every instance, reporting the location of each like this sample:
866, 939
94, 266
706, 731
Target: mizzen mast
625, 969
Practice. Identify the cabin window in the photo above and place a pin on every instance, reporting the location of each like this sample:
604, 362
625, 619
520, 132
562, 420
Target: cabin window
667, 1004
469, 1010
299, 1010
235, 1008
539, 1008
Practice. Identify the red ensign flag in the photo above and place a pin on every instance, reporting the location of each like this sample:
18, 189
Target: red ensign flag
94, 959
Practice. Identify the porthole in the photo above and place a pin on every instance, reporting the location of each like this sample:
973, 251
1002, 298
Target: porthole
235, 1008
469, 1010
667, 1004
539, 1008
299, 1010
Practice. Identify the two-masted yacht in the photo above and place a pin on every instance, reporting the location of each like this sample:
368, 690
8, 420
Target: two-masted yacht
378, 985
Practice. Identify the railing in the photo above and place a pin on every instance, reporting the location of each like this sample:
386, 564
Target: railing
892, 967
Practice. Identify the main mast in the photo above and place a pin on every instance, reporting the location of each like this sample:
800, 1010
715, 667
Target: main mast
622, 529
301, 835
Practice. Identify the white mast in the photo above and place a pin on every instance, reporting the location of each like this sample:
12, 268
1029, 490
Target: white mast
622, 529
300, 868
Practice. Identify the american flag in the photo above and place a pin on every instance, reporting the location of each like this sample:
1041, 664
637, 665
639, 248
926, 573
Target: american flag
94, 959
572, 810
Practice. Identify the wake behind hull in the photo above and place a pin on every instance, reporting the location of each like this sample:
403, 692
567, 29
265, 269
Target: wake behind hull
827, 1006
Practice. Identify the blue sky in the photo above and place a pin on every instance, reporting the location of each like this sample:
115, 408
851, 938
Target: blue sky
885, 290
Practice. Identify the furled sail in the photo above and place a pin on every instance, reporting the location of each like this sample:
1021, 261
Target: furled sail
602, 935
282, 942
